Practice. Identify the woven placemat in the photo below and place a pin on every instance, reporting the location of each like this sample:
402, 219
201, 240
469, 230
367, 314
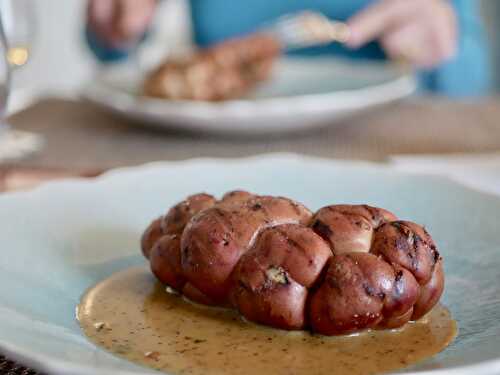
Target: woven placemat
81, 136
8, 367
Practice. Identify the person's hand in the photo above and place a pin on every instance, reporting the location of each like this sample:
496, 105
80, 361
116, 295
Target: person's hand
119, 23
422, 32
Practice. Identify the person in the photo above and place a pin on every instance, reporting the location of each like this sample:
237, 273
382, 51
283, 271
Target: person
443, 39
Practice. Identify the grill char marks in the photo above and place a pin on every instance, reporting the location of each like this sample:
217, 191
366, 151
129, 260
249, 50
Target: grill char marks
398, 304
344, 269
272, 279
347, 301
349, 228
410, 247
207, 264
362, 291
406, 244
322, 229
377, 216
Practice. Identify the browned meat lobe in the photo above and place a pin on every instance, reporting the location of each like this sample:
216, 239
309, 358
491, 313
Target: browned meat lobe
406, 244
152, 234
213, 243
162, 239
430, 293
236, 198
347, 300
178, 216
349, 228
361, 291
271, 279
166, 261
345, 269
402, 297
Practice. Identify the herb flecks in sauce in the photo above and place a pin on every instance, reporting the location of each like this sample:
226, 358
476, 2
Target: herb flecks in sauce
162, 331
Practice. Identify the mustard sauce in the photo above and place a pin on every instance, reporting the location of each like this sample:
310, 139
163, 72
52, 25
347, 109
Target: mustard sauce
131, 315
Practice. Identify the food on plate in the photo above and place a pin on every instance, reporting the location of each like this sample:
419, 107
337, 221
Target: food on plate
323, 275
343, 269
225, 71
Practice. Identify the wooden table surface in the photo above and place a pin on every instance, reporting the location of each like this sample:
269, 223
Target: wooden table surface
81, 136
82, 139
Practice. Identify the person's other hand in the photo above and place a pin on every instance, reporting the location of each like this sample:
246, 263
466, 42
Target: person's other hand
423, 32
119, 23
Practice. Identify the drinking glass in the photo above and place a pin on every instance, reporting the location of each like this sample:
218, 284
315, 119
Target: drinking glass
16, 27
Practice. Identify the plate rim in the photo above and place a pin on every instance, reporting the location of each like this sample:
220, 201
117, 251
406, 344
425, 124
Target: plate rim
161, 112
56, 366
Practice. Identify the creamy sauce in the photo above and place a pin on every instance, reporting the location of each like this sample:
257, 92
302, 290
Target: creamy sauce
131, 315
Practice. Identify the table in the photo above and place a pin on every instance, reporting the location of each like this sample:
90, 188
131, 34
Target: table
83, 139
81, 136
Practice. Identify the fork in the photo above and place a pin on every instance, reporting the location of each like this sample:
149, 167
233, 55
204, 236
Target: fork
306, 29
310, 28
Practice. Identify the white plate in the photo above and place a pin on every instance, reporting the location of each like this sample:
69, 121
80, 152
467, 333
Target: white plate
303, 93
64, 237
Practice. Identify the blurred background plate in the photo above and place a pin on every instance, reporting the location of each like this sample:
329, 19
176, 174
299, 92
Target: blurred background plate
64, 237
303, 93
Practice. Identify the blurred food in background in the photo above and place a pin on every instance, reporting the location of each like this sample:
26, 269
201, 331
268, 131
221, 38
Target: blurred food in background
443, 40
233, 67
226, 71
61, 60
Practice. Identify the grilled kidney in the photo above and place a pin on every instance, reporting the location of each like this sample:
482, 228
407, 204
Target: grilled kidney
344, 269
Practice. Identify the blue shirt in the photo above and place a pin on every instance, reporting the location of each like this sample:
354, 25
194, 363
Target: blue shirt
467, 74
